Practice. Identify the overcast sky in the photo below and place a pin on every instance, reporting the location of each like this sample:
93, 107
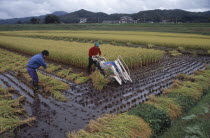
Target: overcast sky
26, 8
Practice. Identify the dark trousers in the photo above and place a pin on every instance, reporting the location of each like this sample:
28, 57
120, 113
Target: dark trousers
91, 62
33, 75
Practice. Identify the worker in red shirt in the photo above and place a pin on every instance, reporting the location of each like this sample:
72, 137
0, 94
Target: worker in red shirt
94, 51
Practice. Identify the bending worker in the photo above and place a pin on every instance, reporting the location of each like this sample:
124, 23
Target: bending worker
34, 63
94, 51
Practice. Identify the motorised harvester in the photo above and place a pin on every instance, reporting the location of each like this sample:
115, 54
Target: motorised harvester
114, 70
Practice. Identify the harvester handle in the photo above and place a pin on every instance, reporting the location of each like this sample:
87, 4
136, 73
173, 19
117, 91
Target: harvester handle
125, 65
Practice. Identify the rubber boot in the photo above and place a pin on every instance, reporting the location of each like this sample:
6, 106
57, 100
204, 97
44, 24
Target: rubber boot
88, 71
36, 86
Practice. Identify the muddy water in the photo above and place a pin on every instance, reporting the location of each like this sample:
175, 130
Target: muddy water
55, 119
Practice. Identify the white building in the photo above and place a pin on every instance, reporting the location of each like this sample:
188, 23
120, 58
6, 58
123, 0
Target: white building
127, 19
124, 19
83, 20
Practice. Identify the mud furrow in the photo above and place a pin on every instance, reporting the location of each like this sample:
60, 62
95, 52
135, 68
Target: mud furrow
2, 83
11, 83
18, 92
20, 84
120, 99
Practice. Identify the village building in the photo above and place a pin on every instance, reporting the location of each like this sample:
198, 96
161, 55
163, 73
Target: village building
124, 19
83, 20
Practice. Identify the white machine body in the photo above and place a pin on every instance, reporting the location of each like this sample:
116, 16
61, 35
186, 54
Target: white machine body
117, 70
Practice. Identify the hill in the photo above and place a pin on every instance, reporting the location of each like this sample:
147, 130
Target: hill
59, 13
175, 15
27, 19
157, 15
92, 17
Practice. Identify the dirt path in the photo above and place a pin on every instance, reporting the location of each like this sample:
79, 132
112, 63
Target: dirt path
55, 119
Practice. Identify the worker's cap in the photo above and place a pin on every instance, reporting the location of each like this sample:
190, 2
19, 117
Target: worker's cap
97, 44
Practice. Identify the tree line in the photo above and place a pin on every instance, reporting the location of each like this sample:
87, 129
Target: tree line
49, 19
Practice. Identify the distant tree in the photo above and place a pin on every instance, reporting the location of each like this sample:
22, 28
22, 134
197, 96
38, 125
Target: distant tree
209, 20
19, 22
52, 19
34, 20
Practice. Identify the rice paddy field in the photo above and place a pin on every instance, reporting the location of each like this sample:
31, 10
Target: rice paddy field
129, 38
169, 69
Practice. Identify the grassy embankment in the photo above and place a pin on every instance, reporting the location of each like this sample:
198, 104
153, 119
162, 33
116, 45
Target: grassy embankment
195, 123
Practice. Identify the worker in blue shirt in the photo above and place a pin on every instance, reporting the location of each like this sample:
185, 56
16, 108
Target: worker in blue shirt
34, 63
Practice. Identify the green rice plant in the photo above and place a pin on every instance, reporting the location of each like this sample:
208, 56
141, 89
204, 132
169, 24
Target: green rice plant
156, 118
64, 73
198, 77
188, 91
198, 72
53, 86
81, 80
188, 88
9, 111
72, 76
4, 69
205, 73
181, 49
99, 81
207, 66
58, 96
2, 91
150, 45
122, 125
12, 103
204, 82
52, 68
7, 124
174, 53
208, 51
5, 96
166, 104
186, 102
